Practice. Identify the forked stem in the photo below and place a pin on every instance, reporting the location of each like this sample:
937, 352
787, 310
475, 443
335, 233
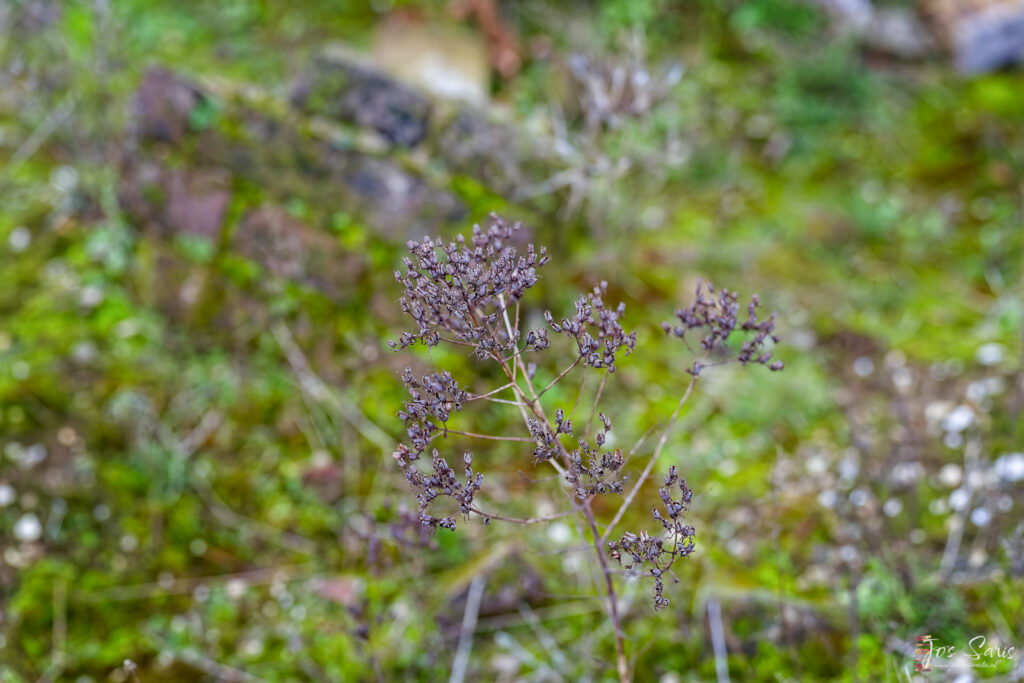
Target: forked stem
650, 463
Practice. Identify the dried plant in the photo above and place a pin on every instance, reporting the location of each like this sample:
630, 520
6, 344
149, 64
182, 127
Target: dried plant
612, 130
468, 294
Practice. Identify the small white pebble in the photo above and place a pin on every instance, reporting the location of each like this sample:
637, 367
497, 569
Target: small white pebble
903, 378
892, 507
19, 239
66, 436
816, 464
235, 588
981, 516
7, 495
848, 553
905, 473
950, 475
863, 366
958, 419
991, 353
91, 296
63, 179
1010, 467
33, 455
895, 359
849, 468
28, 528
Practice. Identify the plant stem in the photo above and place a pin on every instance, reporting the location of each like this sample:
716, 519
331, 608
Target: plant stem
485, 436
533, 403
650, 463
560, 376
597, 399
492, 392
517, 520
613, 609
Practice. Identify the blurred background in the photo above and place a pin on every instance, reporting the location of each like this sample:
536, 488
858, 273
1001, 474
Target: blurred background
201, 208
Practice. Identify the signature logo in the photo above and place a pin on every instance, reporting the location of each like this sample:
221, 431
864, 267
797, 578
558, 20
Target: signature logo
979, 653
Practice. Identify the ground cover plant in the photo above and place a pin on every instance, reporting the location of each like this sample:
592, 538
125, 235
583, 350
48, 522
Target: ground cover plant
469, 294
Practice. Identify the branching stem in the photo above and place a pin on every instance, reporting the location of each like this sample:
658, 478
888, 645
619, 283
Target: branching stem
650, 463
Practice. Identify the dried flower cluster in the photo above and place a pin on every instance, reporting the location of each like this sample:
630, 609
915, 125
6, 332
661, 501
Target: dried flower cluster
716, 318
592, 471
655, 552
469, 295
596, 351
548, 446
441, 482
463, 289
434, 396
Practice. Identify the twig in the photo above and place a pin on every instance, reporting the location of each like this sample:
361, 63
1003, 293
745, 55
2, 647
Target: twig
597, 399
469, 617
198, 660
60, 632
505, 401
317, 388
620, 650
60, 622
38, 137
951, 552
184, 586
650, 463
579, 394
560, 376
503, 387
622, 664
854, 618
516, 520
492, 437
564, 610
271, 533
211, 420
543, 635
718, 641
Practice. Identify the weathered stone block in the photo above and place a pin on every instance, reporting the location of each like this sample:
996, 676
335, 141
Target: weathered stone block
458, 137
343, 88
280, 157
982, 35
